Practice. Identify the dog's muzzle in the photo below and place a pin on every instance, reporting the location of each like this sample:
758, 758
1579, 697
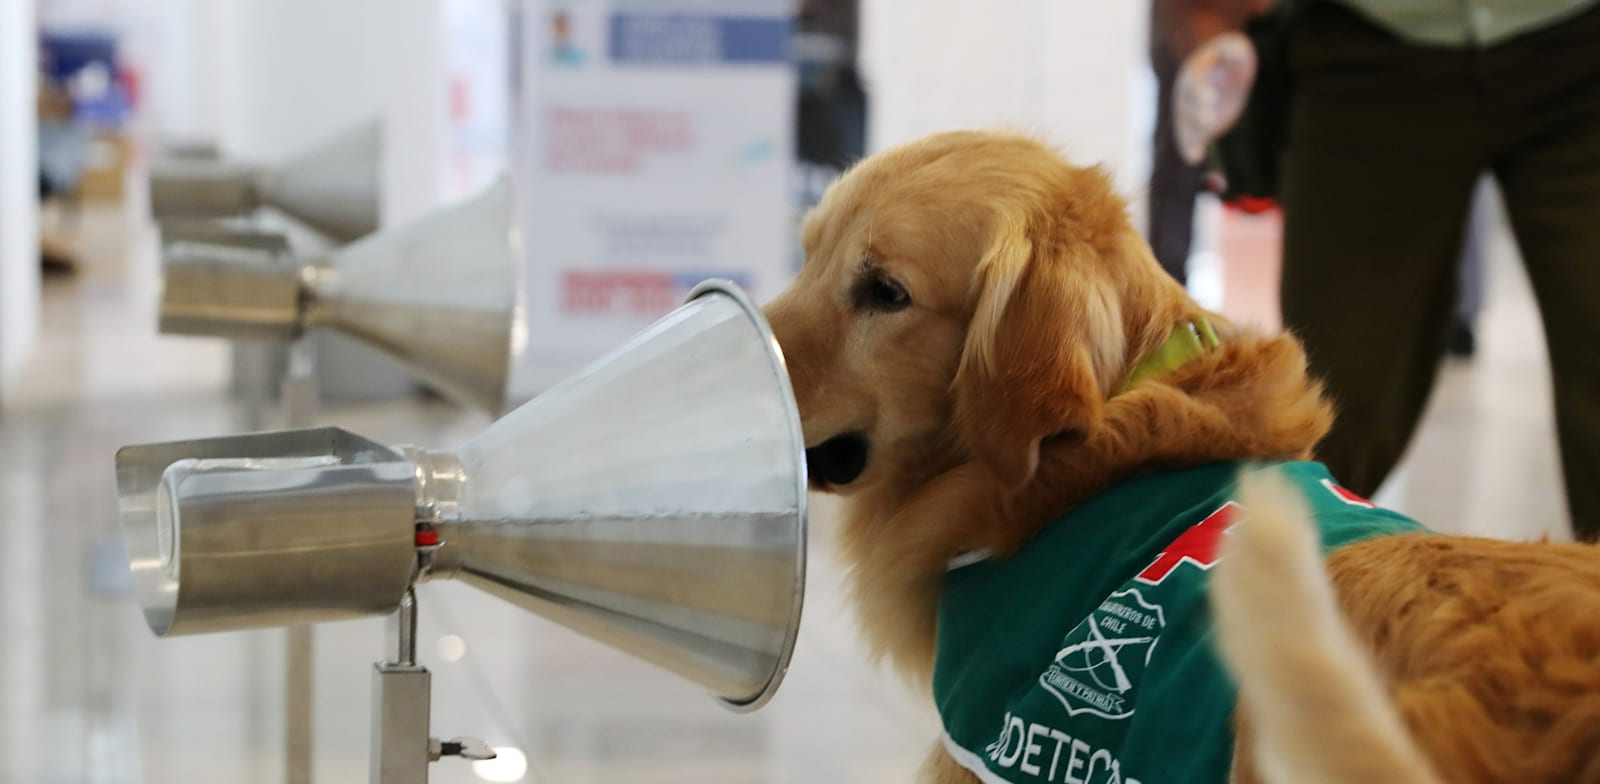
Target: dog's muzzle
837, 461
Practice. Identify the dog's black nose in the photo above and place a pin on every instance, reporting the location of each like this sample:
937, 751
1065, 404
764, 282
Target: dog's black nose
837, 461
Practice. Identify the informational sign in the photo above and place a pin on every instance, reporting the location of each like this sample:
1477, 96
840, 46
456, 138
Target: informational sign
654, 151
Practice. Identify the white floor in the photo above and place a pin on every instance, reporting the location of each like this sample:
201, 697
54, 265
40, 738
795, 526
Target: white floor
88, 695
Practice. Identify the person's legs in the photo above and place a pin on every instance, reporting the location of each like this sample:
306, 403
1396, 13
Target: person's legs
1547, 87
1174, 183
1378, 179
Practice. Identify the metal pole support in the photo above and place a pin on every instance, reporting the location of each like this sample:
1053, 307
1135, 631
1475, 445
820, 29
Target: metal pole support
400, 708
299, 394
402, 747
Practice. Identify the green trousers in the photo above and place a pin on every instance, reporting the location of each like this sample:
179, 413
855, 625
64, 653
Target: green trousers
1386, 140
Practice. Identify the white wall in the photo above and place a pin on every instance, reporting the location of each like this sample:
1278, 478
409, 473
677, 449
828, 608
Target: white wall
268, 79
19, 189
187, 70
1073, 71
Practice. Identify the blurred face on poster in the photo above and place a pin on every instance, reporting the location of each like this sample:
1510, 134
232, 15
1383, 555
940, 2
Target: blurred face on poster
562, 50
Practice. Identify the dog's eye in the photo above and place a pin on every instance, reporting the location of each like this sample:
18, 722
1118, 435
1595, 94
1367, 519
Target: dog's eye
882, 293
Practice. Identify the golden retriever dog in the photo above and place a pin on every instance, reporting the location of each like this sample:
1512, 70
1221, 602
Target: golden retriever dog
963, 344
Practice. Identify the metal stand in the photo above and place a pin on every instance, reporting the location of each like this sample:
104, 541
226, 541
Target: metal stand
299, 393
401, 745
254, 377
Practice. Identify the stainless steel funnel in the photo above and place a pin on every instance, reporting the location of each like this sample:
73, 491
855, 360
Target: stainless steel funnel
440, 294
332, 188
655, 501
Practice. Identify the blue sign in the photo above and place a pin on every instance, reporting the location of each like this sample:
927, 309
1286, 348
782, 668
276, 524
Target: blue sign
685, 39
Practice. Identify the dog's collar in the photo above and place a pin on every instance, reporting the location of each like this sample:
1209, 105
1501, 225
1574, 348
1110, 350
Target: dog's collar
1190, 340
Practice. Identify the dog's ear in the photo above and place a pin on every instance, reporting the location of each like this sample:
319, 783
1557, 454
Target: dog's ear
1044, 346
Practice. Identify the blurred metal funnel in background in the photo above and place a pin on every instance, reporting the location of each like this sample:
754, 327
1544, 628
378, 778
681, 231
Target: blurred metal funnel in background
333, 188
439, 294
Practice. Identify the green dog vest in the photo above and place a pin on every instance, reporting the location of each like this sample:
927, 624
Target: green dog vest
1086, 658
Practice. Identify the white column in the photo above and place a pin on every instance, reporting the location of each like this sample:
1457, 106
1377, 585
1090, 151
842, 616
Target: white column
1074, 72
269, 79
190, 63
308, 69
19, 189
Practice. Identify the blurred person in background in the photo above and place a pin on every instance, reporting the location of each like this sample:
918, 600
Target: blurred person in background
1174, 182
831, 102
831, 113
1394, 109
63, 153
1176, 27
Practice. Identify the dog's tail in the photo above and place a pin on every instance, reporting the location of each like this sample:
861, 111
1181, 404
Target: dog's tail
1316, 707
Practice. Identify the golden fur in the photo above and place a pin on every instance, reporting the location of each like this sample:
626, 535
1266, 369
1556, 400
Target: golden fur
1312, 696
991, 405
1489, 652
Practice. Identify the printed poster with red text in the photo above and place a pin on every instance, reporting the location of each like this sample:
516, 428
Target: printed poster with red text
654, 151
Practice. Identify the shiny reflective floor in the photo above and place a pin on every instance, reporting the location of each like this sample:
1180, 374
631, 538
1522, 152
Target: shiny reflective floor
88, 695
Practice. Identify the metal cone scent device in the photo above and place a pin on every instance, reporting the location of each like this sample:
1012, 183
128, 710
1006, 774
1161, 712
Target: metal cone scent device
202, 231
332, 188
655, 501
439, 294
272, 529
662, 510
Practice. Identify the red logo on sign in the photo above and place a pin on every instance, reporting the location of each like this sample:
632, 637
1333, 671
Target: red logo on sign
1197, 546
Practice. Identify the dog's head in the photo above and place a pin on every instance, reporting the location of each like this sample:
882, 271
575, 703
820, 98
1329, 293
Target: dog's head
964, 298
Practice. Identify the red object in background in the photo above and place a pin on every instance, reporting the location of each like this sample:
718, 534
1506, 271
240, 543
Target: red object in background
1217, 185
426, 537
132, 85
1253, 206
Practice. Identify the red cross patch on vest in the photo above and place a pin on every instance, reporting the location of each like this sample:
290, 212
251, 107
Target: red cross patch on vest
1346, 496
1197, 546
